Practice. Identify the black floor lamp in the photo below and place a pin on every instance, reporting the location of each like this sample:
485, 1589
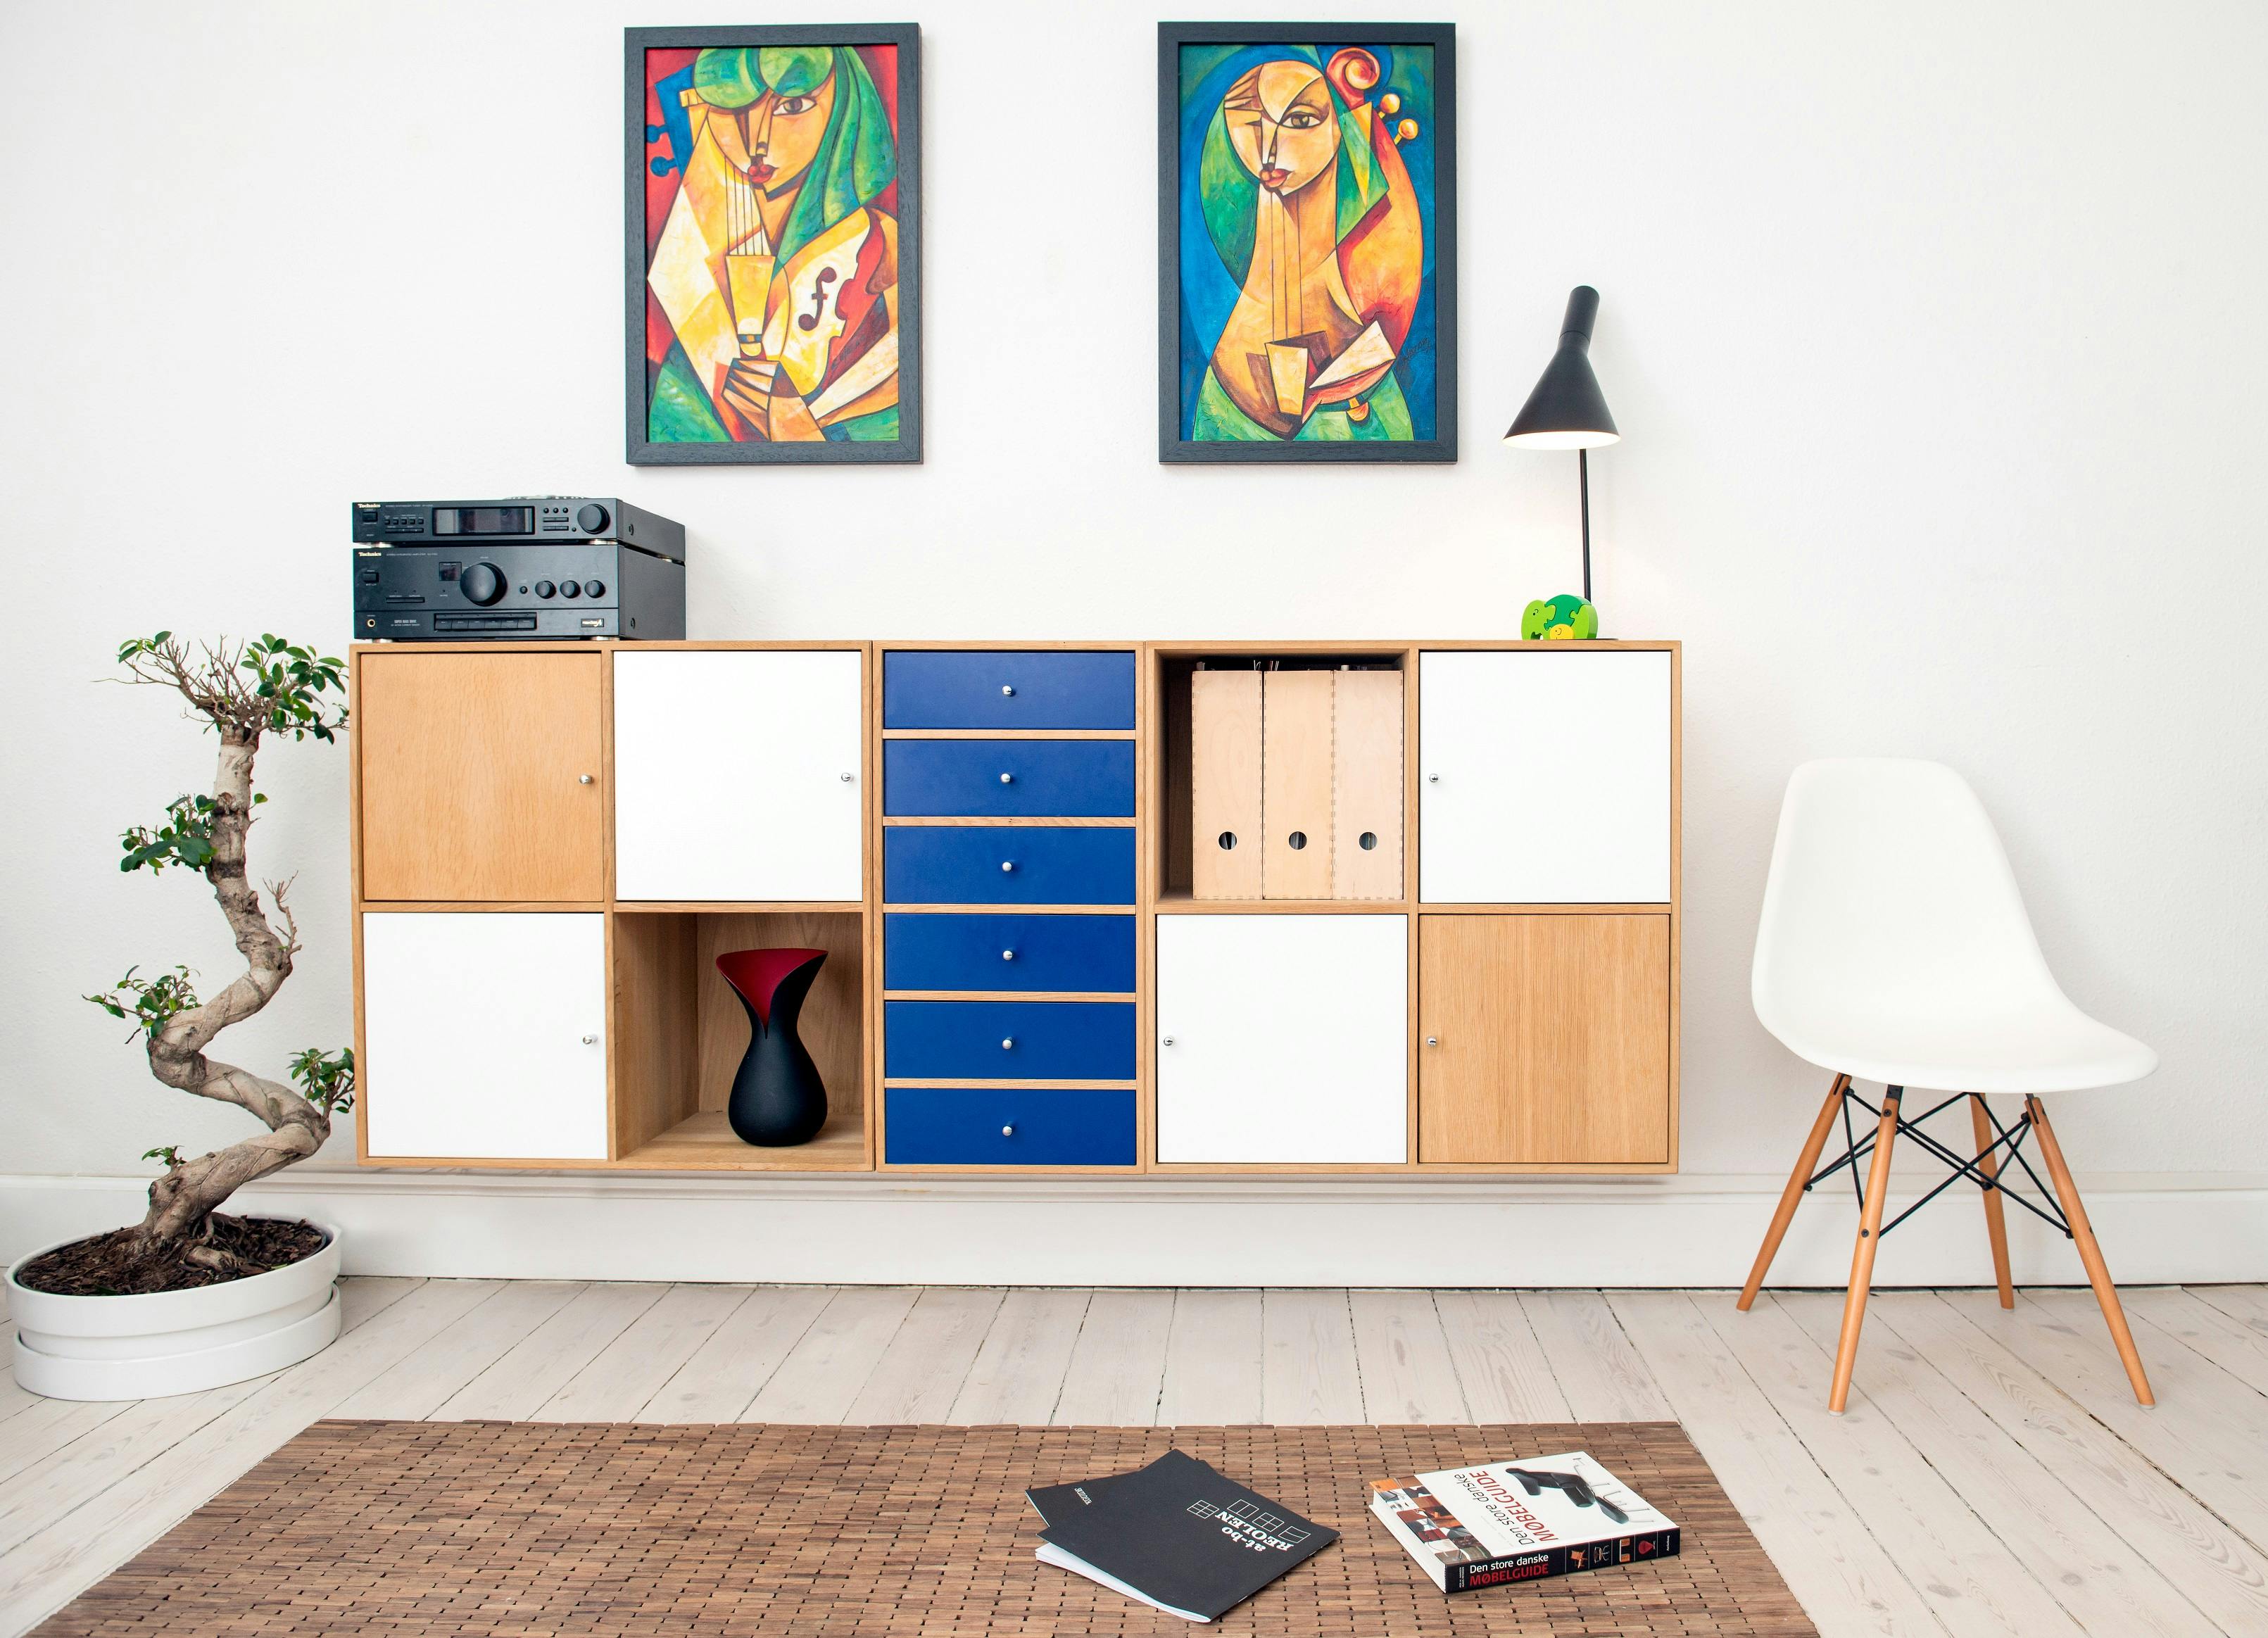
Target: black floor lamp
1567, 410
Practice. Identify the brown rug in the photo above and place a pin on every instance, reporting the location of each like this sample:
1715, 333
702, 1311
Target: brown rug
527, 1528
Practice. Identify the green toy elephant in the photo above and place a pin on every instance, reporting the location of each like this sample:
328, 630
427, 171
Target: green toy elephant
1566, 616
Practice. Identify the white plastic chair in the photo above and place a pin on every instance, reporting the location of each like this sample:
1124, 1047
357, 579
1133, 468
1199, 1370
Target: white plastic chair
1894, 946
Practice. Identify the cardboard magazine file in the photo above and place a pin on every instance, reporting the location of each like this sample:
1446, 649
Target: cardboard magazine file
1472, 1527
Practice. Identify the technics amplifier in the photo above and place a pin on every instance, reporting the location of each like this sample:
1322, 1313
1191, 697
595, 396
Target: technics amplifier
561, 588
519, 519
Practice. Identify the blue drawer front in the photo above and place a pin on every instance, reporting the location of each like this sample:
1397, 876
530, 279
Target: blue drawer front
1018, 1126
1047, 1040
935, 864
926, 689
1009, 778
1080, 953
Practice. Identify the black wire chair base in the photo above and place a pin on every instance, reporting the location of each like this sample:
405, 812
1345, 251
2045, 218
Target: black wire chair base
2010, 1139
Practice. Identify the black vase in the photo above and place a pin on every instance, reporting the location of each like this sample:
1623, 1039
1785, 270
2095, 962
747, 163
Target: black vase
777, 1097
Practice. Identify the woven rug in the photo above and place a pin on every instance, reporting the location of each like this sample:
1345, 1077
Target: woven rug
529, 1529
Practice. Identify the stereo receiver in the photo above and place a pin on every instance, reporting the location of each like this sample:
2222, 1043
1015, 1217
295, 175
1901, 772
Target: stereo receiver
516, 520
559, 589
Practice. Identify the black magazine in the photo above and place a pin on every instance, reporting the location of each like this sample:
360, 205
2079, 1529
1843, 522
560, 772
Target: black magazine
1177, 1534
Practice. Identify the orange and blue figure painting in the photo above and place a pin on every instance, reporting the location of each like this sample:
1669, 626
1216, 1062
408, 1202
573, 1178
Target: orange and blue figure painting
1307, 212
771, 223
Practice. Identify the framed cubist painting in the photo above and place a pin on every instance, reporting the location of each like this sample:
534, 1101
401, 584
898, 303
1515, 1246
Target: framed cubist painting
773, 226
1308, 241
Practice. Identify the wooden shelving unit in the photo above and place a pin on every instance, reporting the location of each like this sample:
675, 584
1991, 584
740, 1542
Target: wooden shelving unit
1580, 1010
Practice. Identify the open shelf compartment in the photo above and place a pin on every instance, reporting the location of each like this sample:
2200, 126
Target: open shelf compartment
680, 1032
1174, 836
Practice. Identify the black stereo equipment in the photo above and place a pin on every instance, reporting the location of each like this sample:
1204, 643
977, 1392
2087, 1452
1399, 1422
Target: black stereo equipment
477, 590
518, 519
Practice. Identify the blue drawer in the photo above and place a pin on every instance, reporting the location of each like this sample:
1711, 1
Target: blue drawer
932, 688
1009, 778
1017, 1127
936, 864
1008, 1040
1089, 953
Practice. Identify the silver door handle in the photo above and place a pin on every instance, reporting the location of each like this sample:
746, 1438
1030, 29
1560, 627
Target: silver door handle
1007, 864
1006, 691
1007, 1131
1008, 1044
1168, 1041
1432, 779
582, 778
1007, 779
846, 779
1432, 1040
1007, 954
590, 1040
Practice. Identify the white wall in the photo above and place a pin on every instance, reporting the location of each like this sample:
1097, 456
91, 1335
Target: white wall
1936, 334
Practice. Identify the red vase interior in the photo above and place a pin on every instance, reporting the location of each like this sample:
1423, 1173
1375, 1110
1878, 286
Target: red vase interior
756, 974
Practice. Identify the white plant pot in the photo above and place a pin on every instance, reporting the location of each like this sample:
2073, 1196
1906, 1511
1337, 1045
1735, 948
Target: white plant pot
166, 1342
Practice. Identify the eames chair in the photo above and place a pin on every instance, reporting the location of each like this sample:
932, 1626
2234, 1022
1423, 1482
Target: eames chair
1893, 947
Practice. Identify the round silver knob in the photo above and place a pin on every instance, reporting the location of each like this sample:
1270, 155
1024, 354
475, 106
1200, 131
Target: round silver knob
1007, 779
1169, 1040
1432, 1040
582, 778
1007, 1131
1006, 691
1007, 864
1007, 954
590, 1040
846, 779
1432, 779
1007, 1042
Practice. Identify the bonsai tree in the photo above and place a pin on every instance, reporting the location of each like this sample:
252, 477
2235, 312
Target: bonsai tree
243, 692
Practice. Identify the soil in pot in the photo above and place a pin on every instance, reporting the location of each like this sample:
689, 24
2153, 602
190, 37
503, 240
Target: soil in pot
109, 1265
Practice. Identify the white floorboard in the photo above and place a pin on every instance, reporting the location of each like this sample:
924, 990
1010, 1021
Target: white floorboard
1993, 1475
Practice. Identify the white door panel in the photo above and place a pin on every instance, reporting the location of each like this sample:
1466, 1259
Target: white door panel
484, 1036
729, 775
1283, 1038
1543, 777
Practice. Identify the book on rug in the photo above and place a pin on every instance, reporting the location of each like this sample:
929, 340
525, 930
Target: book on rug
1488, 1526
1177, 1535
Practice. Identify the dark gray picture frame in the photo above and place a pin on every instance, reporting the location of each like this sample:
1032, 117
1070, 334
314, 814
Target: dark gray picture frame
1442, 37
907, 446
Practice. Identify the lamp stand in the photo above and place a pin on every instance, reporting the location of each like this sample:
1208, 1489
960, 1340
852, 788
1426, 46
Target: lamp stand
1583, 478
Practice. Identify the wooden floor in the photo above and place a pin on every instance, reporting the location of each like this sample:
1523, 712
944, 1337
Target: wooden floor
1993, 1475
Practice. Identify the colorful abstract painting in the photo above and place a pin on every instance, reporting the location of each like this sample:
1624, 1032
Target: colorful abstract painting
773, 265
1306, 226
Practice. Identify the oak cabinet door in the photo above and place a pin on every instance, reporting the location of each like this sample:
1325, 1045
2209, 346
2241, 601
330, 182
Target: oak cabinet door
1282, 1039
1543, 1038
737, 775
485, 1035
1544, 776
479, 777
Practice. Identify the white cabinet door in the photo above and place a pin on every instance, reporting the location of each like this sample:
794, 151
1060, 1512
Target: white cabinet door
1543, 777
1283, 1038
737, 775
484, 1036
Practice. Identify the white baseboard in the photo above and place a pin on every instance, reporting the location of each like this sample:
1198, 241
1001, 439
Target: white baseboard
1690, 1231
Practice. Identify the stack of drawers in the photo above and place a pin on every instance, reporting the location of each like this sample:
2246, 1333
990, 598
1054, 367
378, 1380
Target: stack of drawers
1009, 936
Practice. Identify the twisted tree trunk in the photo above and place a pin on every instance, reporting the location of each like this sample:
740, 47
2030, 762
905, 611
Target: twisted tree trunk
182, 1202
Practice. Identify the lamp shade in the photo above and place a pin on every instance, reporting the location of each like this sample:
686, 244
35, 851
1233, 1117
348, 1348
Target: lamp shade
1567, 410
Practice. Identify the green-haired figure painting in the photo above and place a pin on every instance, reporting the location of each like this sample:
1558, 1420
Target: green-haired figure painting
772, 266
1308, 312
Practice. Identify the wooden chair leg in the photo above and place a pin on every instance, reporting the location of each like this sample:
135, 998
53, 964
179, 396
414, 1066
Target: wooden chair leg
1996, 1221
1862, 1259
1794, 1192
2082, 1232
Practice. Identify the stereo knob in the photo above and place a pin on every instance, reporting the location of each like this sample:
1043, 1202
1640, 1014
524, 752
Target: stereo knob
594, 588
592, 520
483, 583
568, 588
544, 588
